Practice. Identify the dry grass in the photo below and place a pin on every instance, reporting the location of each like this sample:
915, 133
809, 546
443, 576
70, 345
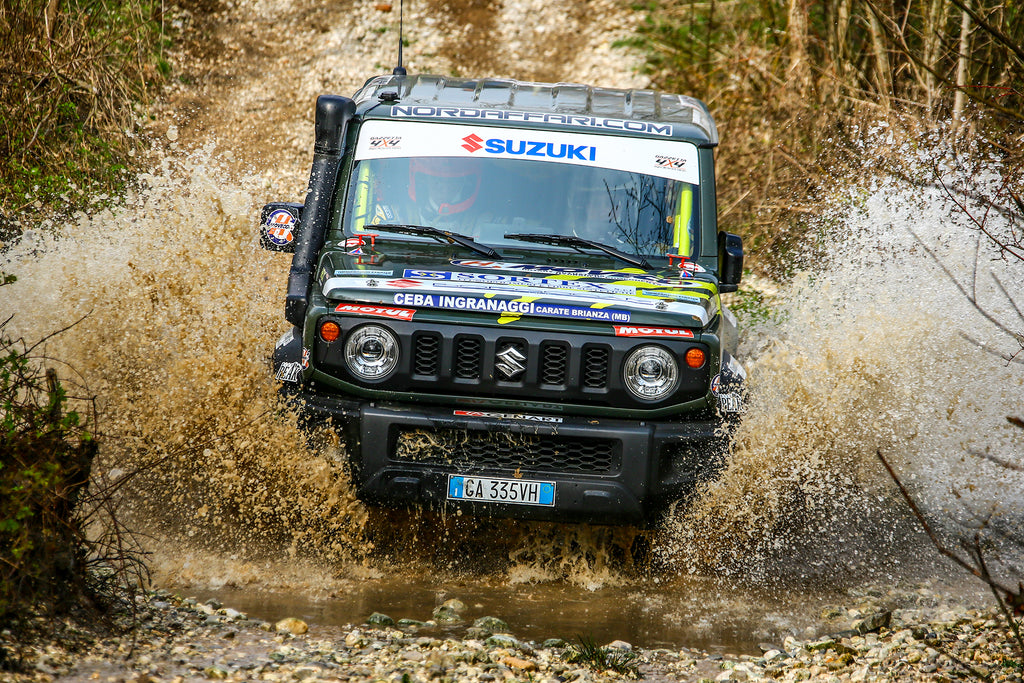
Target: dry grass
70, 74
792, 85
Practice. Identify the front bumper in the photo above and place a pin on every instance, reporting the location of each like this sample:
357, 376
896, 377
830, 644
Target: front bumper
605, 471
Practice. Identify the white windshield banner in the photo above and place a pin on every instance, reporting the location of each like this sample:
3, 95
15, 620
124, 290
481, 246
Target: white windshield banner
671, 159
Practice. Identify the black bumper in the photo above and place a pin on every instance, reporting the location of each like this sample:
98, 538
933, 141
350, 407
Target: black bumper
605, 471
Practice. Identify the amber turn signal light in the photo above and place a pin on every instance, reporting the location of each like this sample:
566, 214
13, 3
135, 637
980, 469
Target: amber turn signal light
330, 331
695, 357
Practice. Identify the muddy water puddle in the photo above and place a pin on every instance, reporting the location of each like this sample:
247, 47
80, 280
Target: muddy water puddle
694, 615
705, 614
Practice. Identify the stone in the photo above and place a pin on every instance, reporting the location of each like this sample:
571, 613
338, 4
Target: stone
455, 605
874, 622
491, 624
440, 659
554, 642
502, 640
378, 619
619, 645
821, 645
292, 625
517, 663
848, 633
446, 615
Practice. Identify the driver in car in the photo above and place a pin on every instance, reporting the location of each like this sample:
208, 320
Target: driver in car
443, 191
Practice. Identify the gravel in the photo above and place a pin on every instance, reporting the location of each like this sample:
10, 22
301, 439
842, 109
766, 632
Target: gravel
178, 639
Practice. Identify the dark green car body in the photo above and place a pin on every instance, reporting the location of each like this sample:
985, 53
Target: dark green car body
493, 356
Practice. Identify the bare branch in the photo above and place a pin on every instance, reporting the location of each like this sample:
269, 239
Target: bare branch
966, 565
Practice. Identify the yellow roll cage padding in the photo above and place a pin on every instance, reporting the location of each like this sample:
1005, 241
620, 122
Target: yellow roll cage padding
362, 208
681, 225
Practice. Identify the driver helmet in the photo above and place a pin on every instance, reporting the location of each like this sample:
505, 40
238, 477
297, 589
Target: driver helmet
446, 185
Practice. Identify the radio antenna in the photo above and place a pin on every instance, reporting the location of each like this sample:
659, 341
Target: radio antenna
400, 70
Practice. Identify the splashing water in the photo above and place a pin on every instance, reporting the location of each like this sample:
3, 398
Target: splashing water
874, 350
179, 309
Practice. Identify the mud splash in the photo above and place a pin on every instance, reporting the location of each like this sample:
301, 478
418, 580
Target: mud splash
876, 349
173, 310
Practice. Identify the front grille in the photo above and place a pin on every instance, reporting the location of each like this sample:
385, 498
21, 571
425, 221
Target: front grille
468, 357
511, 363
554, 363
471, 451
595, 367
426, 354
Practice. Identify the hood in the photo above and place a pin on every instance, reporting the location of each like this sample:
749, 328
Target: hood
515, 290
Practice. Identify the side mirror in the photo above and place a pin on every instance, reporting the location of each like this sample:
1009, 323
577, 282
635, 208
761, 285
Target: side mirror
280, 223
730, 261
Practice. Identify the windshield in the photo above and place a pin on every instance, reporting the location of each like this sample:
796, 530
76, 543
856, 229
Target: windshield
638, 196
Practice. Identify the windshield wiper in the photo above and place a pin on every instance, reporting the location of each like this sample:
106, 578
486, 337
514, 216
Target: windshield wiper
577, 242
438, 234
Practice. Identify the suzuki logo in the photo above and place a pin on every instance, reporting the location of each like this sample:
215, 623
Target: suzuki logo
472, 142
510, 361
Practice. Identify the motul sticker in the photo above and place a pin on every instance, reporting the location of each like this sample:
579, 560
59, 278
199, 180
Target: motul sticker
630, 331
507, 416
378, 311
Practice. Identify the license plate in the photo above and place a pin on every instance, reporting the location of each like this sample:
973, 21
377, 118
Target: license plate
518, 491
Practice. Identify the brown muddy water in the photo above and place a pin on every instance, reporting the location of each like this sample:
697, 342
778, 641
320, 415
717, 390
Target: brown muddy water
703, 614
870, 347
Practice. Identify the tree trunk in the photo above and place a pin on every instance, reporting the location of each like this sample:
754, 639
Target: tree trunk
934, 25
961, 67
797, 28
883, 68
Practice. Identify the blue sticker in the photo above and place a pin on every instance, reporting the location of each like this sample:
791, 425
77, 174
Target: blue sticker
470, 303
279, 227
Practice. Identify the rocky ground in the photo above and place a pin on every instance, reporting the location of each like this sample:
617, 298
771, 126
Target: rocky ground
178, 639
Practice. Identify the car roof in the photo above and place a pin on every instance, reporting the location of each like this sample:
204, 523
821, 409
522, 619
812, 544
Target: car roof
564, 104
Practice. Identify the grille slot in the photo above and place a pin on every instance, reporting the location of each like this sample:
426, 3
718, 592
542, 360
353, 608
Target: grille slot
595, 367
508, 451
427, 354
554, 363
468, 357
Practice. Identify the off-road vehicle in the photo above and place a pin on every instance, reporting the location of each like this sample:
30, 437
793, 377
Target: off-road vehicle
505, 296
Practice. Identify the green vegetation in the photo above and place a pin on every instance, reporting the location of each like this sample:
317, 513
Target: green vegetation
47, 458
587, 652
62, 550
72, 71
790, 81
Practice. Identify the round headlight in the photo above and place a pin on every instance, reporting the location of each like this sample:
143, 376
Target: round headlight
650, 373
371, 352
